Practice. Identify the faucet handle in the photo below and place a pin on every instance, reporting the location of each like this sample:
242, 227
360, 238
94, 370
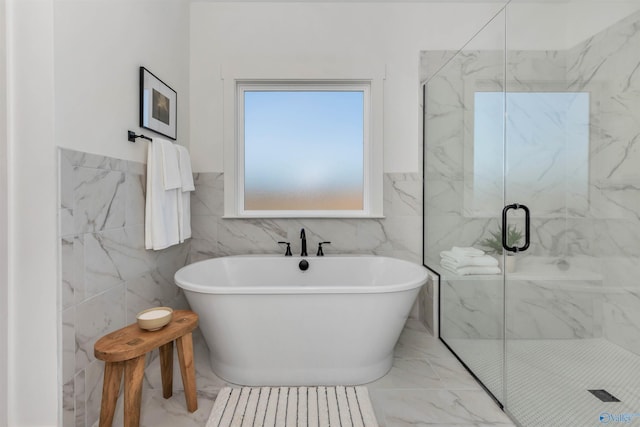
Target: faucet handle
320, 252
288, 251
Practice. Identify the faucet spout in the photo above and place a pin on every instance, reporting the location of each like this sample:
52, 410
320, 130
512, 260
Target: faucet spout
303, 237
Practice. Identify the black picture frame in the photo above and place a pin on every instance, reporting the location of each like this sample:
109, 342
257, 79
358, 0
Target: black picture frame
158, 105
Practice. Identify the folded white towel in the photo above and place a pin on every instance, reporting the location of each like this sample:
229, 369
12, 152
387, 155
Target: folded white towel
466, 271
161, 224
467, 251
170, 165
467, 261
454, 265
186, 174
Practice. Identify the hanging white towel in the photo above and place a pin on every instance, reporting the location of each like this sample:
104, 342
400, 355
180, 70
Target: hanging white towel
184, 214
186, 174
161, 210
184, 195
170, 164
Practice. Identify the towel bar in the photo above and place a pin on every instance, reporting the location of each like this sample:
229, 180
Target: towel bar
132, 136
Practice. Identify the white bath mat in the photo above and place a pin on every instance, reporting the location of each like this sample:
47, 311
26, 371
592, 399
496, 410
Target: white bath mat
293, 406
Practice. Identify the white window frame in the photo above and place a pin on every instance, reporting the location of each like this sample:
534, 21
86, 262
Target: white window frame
331, 86
235, 79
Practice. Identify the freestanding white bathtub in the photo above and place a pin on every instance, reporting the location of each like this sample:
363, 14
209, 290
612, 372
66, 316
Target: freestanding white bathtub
267, 322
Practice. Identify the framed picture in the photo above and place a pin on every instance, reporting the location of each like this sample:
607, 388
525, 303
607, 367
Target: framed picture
158, 105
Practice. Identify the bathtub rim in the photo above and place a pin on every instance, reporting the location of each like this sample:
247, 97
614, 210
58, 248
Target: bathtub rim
417, 282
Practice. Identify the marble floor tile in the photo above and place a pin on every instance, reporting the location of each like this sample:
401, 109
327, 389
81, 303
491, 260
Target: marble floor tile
418, 343
404, 424
408, 373
425, 407
453, 376
206, 379
159, 412
426, 386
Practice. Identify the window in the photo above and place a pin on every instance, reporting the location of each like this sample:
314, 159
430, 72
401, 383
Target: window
303, 149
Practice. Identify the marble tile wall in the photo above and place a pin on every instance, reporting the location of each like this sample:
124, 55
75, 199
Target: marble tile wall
452, 216
398, 235
606, 65
606, 230
427, 303
536, 308
106, 275
473, 309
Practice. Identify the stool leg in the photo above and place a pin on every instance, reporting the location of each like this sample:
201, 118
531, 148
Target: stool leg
166, 369
110, 391
133, 374
188, 370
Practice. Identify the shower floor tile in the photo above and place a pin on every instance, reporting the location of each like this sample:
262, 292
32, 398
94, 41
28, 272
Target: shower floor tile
548, 380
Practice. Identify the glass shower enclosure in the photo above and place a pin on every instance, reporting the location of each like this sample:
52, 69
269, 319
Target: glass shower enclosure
532, 154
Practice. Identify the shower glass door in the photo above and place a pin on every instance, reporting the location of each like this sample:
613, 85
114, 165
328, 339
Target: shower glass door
540, 112
572, 126
464, 194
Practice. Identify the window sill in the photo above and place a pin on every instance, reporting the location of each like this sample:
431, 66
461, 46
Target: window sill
300, 216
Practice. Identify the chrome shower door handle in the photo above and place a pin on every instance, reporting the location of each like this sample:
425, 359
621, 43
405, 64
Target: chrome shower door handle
527, 228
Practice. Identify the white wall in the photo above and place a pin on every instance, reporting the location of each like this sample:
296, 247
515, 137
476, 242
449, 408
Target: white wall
33, 355
565, 23
72, 82
586, 18
99, 46
3, 221
290, 32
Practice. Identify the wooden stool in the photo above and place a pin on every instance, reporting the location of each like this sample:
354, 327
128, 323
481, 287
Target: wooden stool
126, 349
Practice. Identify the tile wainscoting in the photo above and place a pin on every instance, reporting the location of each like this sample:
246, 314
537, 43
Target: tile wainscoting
398, 235
106, 275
